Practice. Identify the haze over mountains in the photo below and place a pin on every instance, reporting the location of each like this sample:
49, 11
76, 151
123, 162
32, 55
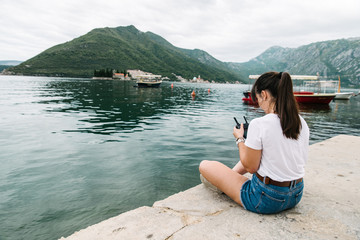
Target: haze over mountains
125, 48
328, 58
8, 63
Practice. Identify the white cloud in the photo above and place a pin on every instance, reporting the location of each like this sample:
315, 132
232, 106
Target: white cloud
230, 30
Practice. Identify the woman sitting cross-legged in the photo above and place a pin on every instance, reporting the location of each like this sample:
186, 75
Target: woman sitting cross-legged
275, 152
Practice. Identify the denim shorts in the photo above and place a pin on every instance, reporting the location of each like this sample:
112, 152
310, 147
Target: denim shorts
258, 197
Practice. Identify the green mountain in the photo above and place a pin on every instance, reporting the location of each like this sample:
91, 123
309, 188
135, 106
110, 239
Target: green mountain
2, 67
329, 58
125, 48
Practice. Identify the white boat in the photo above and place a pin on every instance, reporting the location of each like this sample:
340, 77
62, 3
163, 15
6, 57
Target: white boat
343, 95
149, 81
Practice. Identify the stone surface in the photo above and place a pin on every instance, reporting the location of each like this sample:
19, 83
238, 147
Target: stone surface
330, 208
141, 223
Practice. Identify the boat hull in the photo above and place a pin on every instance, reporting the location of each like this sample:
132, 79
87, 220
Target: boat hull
247, 98
301, 97
149, 84
314, 98
343, 96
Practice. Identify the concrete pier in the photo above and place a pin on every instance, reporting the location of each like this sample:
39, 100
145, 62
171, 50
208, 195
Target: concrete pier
330, 208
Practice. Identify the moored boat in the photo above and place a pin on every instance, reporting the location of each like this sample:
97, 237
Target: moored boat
247, 98
315, 98
148, 82
302, 96
343, 95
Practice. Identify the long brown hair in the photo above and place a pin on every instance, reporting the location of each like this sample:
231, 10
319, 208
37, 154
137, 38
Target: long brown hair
281, 88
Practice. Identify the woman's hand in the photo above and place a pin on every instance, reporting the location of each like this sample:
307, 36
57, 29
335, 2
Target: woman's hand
238, 133
249, 158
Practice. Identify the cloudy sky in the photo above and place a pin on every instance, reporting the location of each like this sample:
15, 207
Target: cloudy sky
230, 30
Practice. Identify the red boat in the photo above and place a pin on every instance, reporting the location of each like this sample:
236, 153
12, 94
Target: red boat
316, 98
247, 98
300, 96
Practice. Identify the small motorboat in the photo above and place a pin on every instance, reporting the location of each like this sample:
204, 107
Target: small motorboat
343, 95
247, 98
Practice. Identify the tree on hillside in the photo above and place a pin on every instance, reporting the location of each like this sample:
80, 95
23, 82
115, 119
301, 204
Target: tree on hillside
103, 72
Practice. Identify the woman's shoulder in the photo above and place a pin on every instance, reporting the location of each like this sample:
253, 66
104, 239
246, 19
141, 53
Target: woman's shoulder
266, 120
270, 117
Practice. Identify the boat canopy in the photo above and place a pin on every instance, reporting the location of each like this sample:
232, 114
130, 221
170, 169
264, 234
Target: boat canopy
149, 76
297, 77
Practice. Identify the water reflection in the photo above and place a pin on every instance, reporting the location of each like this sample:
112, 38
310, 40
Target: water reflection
115, 107
107, 107
314, 108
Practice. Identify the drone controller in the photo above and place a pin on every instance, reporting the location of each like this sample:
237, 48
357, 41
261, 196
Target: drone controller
246, 125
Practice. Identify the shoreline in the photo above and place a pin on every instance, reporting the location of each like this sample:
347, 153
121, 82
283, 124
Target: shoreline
106, 78
172, 81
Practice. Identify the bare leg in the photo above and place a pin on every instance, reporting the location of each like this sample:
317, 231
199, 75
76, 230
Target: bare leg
224, 178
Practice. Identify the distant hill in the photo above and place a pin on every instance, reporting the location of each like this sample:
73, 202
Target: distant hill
4, 64
329, 58
10, 62
2, 67
125, 48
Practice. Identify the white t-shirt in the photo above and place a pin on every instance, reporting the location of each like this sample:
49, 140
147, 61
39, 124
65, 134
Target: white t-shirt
283, 159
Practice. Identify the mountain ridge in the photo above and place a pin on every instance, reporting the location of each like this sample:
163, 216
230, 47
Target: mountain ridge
126, 48
330, 59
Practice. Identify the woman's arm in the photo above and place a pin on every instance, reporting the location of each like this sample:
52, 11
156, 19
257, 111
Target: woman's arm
239, 168
249, 158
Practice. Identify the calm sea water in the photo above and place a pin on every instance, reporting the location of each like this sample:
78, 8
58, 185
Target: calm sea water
75, 152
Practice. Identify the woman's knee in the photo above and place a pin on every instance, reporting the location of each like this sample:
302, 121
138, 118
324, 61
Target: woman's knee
205, 165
